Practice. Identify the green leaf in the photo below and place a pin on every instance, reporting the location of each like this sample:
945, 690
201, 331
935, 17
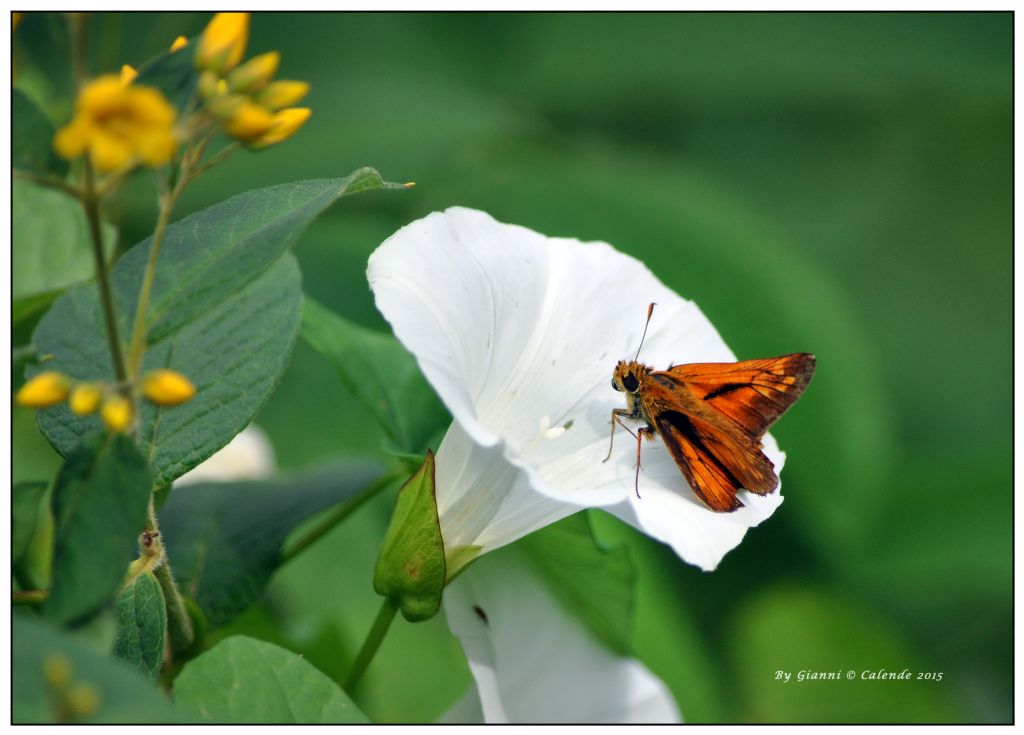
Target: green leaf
51, 249
32, 138
122, 696
793, 629
141, 625
99, 505
411, 567
26, 501
224, 539
224, 310
381, 373
596, 582
245, 680
173, 74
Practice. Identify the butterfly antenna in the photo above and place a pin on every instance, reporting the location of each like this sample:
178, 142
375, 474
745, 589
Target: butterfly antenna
650, 310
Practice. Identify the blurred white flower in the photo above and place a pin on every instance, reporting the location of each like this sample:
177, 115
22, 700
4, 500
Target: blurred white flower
534, 662
518, 333
249, 456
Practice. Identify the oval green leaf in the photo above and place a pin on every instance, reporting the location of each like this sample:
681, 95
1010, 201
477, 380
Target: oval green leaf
141, 625
243, 680
224, 310
99, 505
224, 539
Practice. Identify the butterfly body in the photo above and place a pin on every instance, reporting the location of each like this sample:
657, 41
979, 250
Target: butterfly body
711, 417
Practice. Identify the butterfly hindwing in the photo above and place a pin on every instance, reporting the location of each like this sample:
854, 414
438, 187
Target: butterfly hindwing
716, 461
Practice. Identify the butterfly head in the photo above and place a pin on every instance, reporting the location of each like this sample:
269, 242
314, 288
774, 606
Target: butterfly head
628, 376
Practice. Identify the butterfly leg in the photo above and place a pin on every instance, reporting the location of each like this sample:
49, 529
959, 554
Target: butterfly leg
643, 431
616, 412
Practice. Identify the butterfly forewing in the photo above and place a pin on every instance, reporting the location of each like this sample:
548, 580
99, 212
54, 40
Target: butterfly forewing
752, 393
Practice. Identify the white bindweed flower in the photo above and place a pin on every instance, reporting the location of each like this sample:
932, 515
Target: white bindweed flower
534, 662
249, 456
519, 333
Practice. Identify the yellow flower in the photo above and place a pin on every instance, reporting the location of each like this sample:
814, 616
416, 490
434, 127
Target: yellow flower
286, 123
116, 412
223, 42
128, 74
167, 387
282, 93
44, 390
117, 123
83, 699
85, 398
254, 74
57, 670
249, 122
179, 43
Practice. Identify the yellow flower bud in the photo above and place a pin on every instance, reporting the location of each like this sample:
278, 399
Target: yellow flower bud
254, 74
83, 699
225, 106
167, 387
249, 122
282, 93
207, 84
286, 123
223, 42
179, 43
44, 390
116, 412
128, 74
57, 670
85, 398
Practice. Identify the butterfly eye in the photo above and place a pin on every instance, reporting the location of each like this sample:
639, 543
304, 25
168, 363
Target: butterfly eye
630, 382
615, 385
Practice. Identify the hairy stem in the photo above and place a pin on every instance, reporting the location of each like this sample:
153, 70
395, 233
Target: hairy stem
179, 624
371, 644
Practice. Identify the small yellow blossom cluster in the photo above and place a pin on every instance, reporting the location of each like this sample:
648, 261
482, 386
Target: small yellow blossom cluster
118, 123
162, 387
73, 700
253, 107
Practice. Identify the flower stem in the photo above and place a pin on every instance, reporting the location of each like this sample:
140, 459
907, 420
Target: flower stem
179, 624
335, 517
137, 347
371, 644
92, 215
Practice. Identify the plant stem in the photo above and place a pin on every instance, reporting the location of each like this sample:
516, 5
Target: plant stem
371, 644
51, 181
79, 49
136, 348
179, 624
335, 517
29, 597
92, 214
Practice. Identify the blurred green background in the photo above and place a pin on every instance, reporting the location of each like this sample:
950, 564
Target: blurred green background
835, 183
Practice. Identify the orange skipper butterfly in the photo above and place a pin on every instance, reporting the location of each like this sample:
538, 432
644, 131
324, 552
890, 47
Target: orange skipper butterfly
711, 416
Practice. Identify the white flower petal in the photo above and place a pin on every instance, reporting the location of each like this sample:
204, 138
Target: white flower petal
518, 334
534, 662
249, 456
483, 500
